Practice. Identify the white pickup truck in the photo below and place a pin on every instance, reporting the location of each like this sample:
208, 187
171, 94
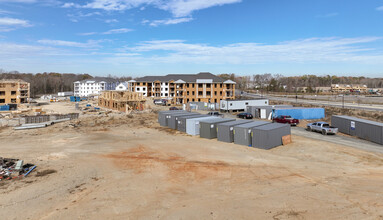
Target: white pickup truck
322, 127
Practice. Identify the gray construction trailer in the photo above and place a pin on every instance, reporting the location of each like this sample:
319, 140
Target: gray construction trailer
162, 115
171, 119
208, 129
270, 135
181, 121
242, 132
225, 131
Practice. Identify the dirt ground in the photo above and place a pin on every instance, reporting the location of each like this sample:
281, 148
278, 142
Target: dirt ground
127, 167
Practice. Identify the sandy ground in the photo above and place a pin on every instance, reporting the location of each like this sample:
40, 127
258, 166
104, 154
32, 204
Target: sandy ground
127, 167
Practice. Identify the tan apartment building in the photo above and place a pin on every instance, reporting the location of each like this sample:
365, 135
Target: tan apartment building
184, 88
14, 92
341, 88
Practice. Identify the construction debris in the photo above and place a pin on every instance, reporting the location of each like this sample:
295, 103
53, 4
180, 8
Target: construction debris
14, 168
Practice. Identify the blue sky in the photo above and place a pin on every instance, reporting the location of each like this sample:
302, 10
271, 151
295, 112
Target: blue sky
156, 37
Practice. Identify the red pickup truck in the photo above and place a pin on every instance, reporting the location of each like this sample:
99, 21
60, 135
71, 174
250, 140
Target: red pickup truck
286, 119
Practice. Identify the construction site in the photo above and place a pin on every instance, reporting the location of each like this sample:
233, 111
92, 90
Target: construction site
120, 163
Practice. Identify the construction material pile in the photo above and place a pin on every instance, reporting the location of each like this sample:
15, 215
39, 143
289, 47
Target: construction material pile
14, 168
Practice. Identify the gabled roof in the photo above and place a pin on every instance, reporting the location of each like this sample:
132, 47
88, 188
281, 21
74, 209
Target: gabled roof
189, 78
98, 80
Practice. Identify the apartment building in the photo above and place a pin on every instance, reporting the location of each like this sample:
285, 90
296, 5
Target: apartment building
341, 88
14, 91
93, 87
184, 88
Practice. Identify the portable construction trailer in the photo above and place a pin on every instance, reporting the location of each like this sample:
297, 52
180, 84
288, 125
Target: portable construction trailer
270, 135
264, 112
181, 121
225, 131
240, 105
162, 116
362, 128
192, 124
208, 129
172, 119
300, 113
242, 132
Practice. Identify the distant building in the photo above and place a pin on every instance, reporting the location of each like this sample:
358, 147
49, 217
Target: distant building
14, 91
122, 86
341, 88
90, 87
63, 94
184, 88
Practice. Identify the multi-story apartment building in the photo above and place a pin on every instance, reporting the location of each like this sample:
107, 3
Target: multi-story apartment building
14, 92
94, 87
184, 88
341, 88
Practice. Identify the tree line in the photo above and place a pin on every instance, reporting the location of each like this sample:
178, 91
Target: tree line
280, 83
51, 83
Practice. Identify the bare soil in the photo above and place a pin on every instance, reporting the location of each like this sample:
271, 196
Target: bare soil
120, 166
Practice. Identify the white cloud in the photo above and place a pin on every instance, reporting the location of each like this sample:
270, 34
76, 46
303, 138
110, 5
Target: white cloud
14, 22
111, 21
88, 44
329, 15
315, 50
169, 21
87, 34
118, 31
179, 8
379, 8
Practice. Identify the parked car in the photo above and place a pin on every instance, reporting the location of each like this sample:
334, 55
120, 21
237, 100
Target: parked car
286, 119
174, 108
322, 127
217, 114
245, 115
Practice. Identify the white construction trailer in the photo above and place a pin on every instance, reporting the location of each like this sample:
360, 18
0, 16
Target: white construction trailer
240, 105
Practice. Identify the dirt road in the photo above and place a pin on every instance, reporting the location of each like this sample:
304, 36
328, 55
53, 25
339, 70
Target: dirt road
120, 167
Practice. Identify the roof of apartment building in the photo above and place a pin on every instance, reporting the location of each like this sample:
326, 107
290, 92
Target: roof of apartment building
12, 81
190, 78
98, 79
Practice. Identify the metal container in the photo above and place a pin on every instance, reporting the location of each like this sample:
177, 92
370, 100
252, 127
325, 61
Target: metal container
270, 135
225, 131
181, 121
208, 129
364, 129
300, 113
163, 115
264, 112
192, 124
171, 119
242, 133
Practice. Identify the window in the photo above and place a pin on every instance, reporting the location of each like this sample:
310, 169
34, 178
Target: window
187, 93
200, 93
187, 100
193, 93
143, 89
162, 94
231, 104
208, 85
13, 100
215, 85
166, 89
246, 103
192, 100
166, 94
215, 92
199, 100
2, 92
215, 100
138, 89
13, 92
193, 87
208, 93
200, 85
187, 85
2, 100
144, 84
220, 93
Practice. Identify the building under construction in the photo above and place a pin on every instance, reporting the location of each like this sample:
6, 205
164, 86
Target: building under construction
123, 101
15, 91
